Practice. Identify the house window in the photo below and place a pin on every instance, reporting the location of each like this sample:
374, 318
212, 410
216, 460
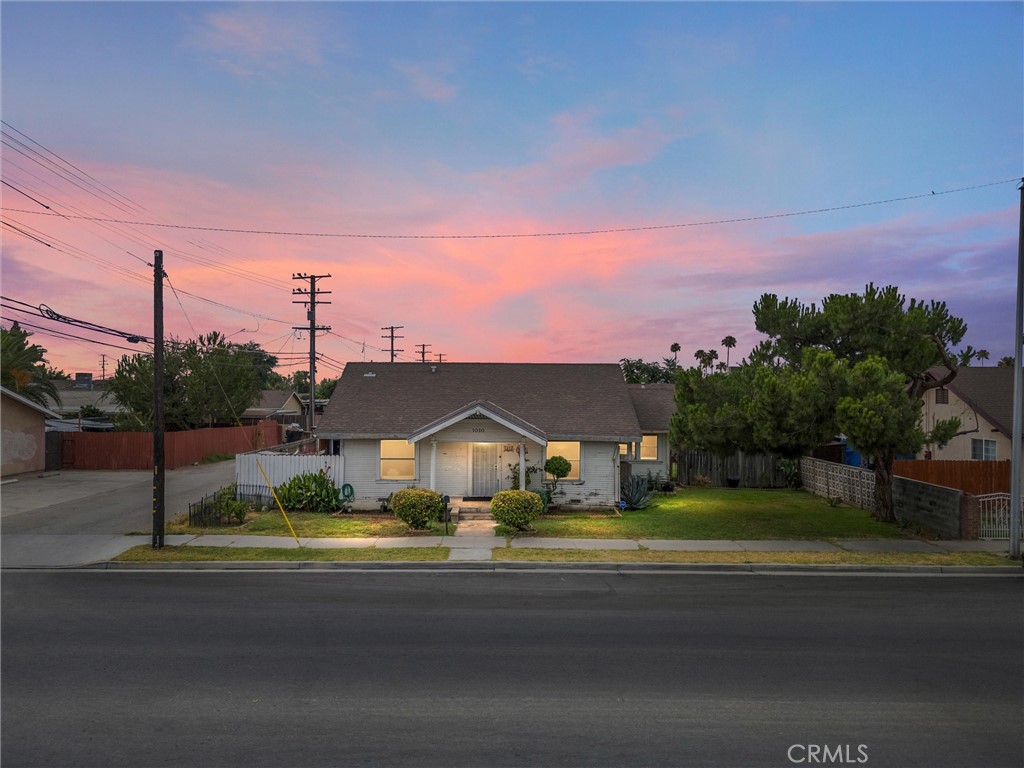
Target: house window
649, 448
942, 396
983, 450
397, 460
571, 453
623, 449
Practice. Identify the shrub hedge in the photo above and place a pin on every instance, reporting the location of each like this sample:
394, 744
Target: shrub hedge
516, 509
417, 507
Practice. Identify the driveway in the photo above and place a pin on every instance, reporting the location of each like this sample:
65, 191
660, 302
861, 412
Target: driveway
44, 518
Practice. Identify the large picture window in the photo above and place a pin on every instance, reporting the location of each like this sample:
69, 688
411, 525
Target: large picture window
571, 453
397, 460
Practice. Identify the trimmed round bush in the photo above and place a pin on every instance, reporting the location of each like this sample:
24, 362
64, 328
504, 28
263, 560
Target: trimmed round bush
417, 507
516, 509
558, 466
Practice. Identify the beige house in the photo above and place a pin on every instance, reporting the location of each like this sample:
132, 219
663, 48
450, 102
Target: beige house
278, 404
23, 437
467, 429
982, 398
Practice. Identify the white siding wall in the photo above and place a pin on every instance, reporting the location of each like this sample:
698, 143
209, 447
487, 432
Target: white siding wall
452, 467
599, 484
654, 467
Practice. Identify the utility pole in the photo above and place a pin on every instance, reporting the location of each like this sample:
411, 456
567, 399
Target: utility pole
391, 335
423, 351
1018, 338
103, 367
311, 302
440, 357
158, 399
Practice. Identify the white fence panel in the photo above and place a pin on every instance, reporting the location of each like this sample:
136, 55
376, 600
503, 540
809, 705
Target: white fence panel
994, 509
281, 468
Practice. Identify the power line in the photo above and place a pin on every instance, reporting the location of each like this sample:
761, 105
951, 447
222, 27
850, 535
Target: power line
511, 235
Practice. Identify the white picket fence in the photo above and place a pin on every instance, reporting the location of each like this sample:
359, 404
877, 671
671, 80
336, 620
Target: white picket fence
994, 509
280, 468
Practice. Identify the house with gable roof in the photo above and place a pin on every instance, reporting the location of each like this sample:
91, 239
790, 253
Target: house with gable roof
982, 398
463, 429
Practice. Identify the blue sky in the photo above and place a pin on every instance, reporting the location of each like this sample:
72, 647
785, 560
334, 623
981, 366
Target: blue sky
516, 118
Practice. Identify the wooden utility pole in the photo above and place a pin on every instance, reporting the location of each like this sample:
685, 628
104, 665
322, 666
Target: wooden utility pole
311, 303
391, 335
158, 399
1015, 445
423, 351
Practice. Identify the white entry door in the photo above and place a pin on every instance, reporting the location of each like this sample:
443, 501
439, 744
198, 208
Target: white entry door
485, 469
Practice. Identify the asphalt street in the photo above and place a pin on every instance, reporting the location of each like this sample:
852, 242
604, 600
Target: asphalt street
107, 668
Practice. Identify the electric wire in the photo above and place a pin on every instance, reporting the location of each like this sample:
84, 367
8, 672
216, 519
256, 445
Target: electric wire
567, 233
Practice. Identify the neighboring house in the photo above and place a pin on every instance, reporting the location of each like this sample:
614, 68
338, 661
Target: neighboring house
982, 398
278, 404
73, 400
23, 438
654, 405
460, 428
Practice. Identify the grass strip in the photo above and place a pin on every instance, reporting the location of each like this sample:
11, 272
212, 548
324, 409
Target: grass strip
313, 525
192, 554
796, 558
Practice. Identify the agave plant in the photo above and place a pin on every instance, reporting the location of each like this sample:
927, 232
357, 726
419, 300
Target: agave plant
636, 492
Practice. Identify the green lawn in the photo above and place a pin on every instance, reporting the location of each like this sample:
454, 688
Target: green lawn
722, 513
312, 524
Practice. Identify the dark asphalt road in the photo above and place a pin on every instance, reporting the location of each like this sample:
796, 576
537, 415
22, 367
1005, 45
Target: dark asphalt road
420, 669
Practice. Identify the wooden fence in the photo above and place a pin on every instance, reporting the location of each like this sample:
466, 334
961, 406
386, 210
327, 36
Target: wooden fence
974, 477
751, 470
134, 450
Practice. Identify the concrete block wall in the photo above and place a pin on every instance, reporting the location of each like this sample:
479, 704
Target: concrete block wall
932, 507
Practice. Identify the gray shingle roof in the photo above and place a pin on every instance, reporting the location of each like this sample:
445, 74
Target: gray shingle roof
567, 401
654, 405
988, 390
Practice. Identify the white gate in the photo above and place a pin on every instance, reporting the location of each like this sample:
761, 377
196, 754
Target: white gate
994, 509
281, 468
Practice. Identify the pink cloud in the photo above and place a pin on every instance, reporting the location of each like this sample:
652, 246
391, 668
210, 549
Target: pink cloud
251, 38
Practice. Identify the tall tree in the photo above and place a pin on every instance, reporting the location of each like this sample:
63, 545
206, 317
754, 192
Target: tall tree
880, 338
982, 354
23, 367
674, 349
729, 342
1006, 362
206, 381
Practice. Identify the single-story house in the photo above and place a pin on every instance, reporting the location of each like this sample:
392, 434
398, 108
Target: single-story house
279, 404
23, 438
467, 429
982, 398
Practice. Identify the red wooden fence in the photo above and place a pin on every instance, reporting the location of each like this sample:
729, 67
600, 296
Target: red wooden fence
134, 450
973, 477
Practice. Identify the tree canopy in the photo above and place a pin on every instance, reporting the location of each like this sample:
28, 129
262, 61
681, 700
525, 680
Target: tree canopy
858, 365
206, 381
24, 369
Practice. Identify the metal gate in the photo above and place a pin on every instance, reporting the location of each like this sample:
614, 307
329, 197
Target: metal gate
485, 469
994, 509
54, 441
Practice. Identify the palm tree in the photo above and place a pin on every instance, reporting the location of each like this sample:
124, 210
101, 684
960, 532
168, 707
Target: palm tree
674, 349
728, 342
23, 367
982, 354
1006, 362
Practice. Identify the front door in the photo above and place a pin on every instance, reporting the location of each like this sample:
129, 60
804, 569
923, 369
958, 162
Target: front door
485, 469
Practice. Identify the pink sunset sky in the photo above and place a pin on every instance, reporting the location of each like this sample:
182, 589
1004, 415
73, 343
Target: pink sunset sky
396, 143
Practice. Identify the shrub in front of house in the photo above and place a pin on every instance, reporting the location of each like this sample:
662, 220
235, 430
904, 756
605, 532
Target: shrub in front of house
516, 509
311, 492
417, 507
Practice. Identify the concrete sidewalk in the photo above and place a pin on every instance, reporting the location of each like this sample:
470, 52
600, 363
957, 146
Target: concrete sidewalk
56, 550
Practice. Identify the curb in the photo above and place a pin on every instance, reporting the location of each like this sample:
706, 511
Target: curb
445, 566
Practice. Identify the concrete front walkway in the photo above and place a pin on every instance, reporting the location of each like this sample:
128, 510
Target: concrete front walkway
27, 550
